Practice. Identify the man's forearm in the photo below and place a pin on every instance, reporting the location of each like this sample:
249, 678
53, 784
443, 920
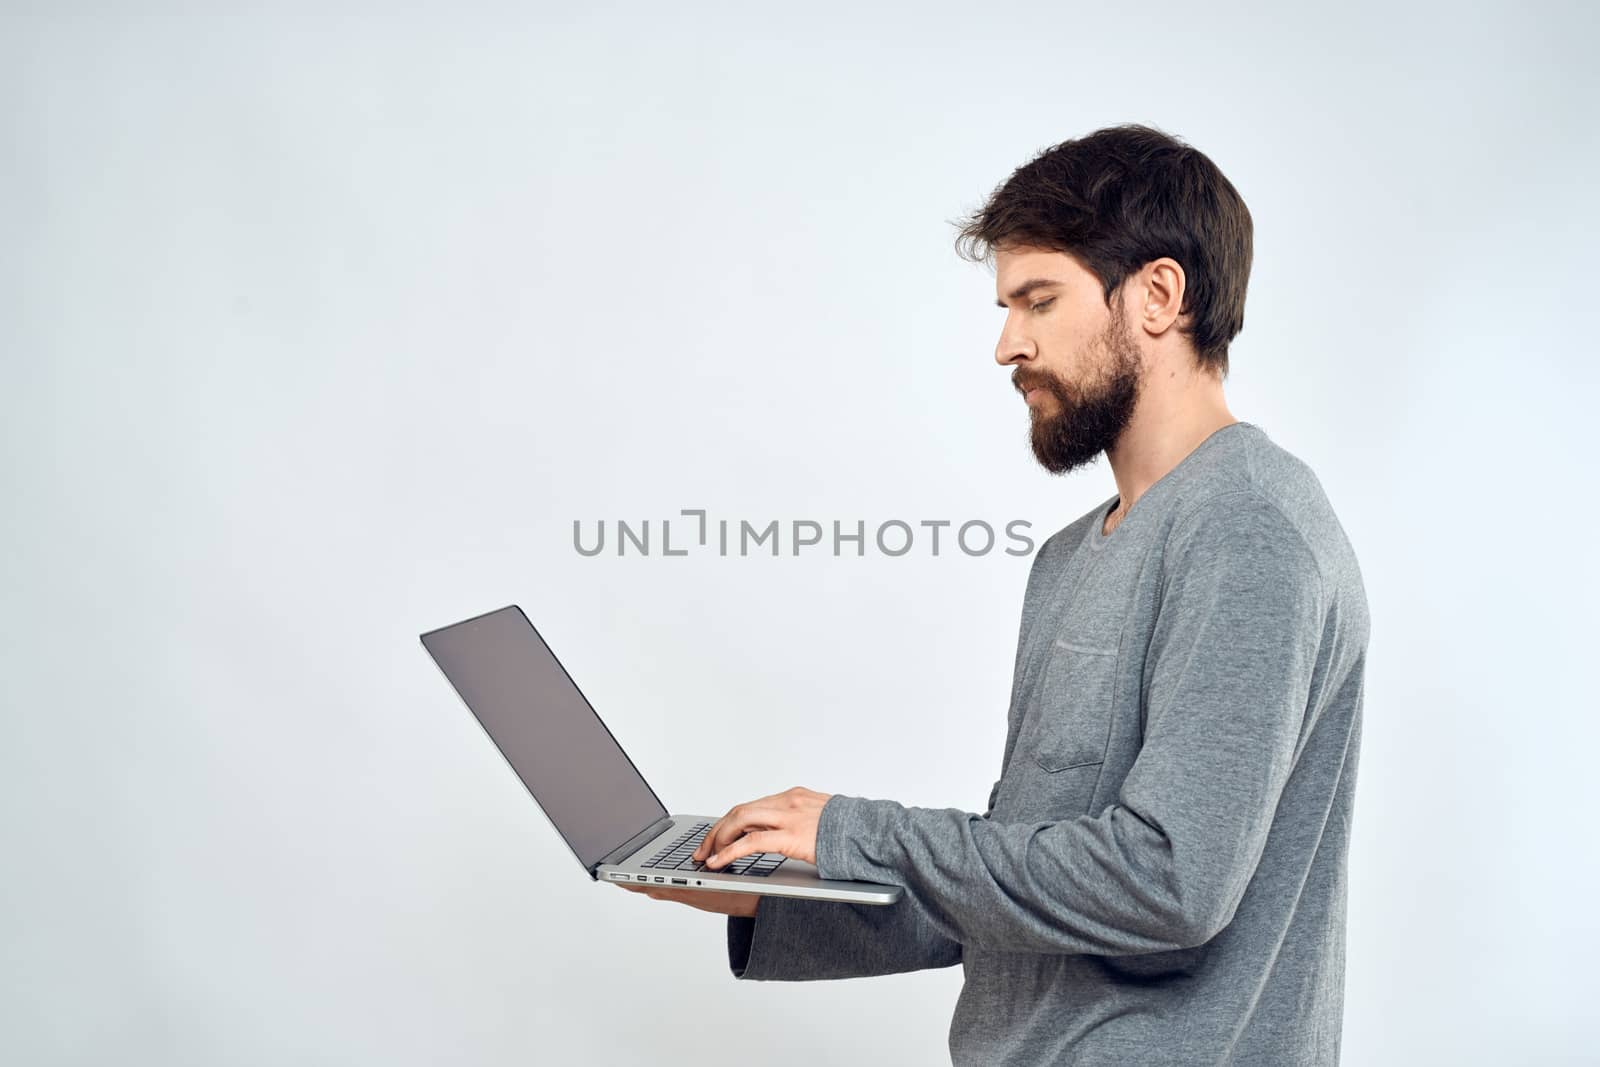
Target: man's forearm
791, 939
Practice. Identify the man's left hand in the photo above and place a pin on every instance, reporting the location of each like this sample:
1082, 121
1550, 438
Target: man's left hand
785, 822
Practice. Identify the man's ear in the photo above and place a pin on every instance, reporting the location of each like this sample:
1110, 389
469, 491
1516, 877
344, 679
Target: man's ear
1159, 295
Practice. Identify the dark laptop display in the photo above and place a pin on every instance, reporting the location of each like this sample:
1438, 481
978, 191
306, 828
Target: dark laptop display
546, 730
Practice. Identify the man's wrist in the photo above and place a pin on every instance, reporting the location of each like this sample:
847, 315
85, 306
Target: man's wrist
833, 836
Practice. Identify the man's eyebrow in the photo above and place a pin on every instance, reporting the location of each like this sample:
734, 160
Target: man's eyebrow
1025, 288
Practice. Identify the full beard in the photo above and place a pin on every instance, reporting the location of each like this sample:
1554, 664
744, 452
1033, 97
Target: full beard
1089, 421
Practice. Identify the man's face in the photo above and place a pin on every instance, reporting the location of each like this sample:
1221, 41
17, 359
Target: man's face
1075, 360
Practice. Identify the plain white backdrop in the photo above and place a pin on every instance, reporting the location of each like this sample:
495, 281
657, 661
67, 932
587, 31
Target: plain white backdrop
320, 331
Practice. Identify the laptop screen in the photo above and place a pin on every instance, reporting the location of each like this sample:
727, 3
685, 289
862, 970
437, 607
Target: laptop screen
546, 730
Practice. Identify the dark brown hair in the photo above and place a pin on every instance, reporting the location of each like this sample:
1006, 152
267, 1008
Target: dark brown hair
1115, 200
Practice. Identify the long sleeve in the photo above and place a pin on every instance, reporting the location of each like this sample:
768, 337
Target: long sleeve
1229, 673
791, 939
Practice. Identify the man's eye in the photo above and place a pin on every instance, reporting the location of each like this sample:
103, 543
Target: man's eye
1042, 304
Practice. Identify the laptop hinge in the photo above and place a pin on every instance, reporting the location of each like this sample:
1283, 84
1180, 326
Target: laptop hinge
625, 849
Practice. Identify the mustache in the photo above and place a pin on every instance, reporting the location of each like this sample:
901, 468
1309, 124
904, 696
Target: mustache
1025, 380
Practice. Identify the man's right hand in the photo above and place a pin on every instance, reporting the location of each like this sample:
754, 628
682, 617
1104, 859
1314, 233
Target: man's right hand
713, 900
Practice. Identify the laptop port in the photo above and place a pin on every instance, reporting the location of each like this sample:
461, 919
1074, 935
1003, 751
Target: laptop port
642, 878
680, 881
661, 879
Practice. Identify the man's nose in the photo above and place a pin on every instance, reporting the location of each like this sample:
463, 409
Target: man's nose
1013, 348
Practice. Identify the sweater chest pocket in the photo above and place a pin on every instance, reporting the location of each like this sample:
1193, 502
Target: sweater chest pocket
1076, 694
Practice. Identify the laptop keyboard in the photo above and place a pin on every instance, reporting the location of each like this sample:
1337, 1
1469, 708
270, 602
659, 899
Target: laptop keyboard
676, 857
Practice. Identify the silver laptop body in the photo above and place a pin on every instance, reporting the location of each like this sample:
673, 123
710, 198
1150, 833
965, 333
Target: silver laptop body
582, 780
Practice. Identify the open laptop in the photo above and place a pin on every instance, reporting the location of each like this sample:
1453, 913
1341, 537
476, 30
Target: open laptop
587, 786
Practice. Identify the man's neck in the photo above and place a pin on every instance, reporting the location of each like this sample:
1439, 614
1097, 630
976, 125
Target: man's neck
1148, 449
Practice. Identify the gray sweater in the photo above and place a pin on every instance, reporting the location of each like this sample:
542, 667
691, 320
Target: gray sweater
1160, 875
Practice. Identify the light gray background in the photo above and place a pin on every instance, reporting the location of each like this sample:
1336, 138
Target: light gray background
320, 331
